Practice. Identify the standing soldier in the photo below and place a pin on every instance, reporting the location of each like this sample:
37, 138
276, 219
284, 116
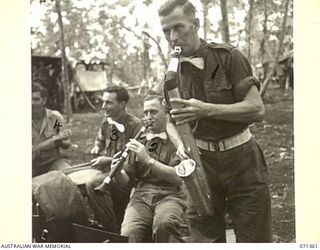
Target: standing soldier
221, 98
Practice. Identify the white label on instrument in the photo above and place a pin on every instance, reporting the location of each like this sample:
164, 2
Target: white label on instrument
185, 168
173, 65
124, 154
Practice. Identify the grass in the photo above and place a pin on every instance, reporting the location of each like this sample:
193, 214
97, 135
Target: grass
274, 134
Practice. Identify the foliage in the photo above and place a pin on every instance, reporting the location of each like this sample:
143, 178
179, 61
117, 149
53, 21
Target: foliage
113, 32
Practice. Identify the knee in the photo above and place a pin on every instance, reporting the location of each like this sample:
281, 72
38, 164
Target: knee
93, 182
125, 230
165, 224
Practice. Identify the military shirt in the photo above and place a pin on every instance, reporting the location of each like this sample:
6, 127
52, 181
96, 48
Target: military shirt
225, 79
48, 129
160, 150
111, 140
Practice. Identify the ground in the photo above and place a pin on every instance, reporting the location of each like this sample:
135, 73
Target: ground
274, 134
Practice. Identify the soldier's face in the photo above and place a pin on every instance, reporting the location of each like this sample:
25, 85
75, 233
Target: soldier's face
37, 102
180, 30
153, 111
110, 105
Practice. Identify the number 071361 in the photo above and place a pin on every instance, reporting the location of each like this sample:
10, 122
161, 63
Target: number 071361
308, 245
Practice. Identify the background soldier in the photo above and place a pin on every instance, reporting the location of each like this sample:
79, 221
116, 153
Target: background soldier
46, 124
117, 128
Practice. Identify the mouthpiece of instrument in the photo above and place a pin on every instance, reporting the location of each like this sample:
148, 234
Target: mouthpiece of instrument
177, 49
146, 122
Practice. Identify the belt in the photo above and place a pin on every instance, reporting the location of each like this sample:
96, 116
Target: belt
143, 184
225, 144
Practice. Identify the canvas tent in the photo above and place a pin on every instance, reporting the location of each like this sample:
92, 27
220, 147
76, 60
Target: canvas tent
88, 85
89, 80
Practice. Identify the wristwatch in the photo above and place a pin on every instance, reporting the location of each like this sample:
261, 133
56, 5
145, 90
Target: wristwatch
150, 162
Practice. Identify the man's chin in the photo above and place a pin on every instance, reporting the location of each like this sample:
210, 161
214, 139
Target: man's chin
151, 129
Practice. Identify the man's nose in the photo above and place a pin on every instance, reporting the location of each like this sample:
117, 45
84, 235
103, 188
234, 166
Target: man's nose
104, 105
173, 37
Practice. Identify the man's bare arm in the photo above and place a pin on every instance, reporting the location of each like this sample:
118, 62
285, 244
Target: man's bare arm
250, 109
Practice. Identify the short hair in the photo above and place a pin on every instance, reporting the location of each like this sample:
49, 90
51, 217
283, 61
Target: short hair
150, 97
187, 7
121, 92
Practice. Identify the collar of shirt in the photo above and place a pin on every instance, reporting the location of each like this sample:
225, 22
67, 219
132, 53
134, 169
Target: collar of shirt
198, 62
150, 136
122, 121
198, 58
120, 127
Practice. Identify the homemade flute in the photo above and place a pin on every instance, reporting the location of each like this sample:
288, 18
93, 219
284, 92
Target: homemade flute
123, 156
194, 175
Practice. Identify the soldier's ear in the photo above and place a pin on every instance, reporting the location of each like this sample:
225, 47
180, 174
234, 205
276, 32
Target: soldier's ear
197, 23
44, 100
123, 104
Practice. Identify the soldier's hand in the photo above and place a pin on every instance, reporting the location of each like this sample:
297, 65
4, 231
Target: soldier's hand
192, 109
181, 153
63, 143
95, 150
115, 160
101, 162
139, 149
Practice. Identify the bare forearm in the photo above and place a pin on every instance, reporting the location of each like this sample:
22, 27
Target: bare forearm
165, 172
237, 112
249, 110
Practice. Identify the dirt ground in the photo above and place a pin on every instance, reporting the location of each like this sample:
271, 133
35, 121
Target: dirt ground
274, 134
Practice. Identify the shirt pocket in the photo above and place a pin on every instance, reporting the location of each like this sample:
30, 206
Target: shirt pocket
217, 87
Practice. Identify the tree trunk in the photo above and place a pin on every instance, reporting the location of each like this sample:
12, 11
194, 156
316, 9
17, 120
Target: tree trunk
225, 23
64, 67
264, 39
145, 58
275, 63
164, 60
249, 26
205, 18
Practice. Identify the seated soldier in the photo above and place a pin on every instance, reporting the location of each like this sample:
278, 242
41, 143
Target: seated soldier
117, 128
48, 134
158, 201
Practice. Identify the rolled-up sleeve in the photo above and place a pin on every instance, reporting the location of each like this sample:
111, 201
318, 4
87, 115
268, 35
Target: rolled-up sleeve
241, 76
242, 88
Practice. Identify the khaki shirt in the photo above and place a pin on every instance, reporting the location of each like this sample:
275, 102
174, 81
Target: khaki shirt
111, 140
45, 132
159, 149
226, 79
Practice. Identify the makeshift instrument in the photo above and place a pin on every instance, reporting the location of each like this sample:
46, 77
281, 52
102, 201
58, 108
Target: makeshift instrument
196, 180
